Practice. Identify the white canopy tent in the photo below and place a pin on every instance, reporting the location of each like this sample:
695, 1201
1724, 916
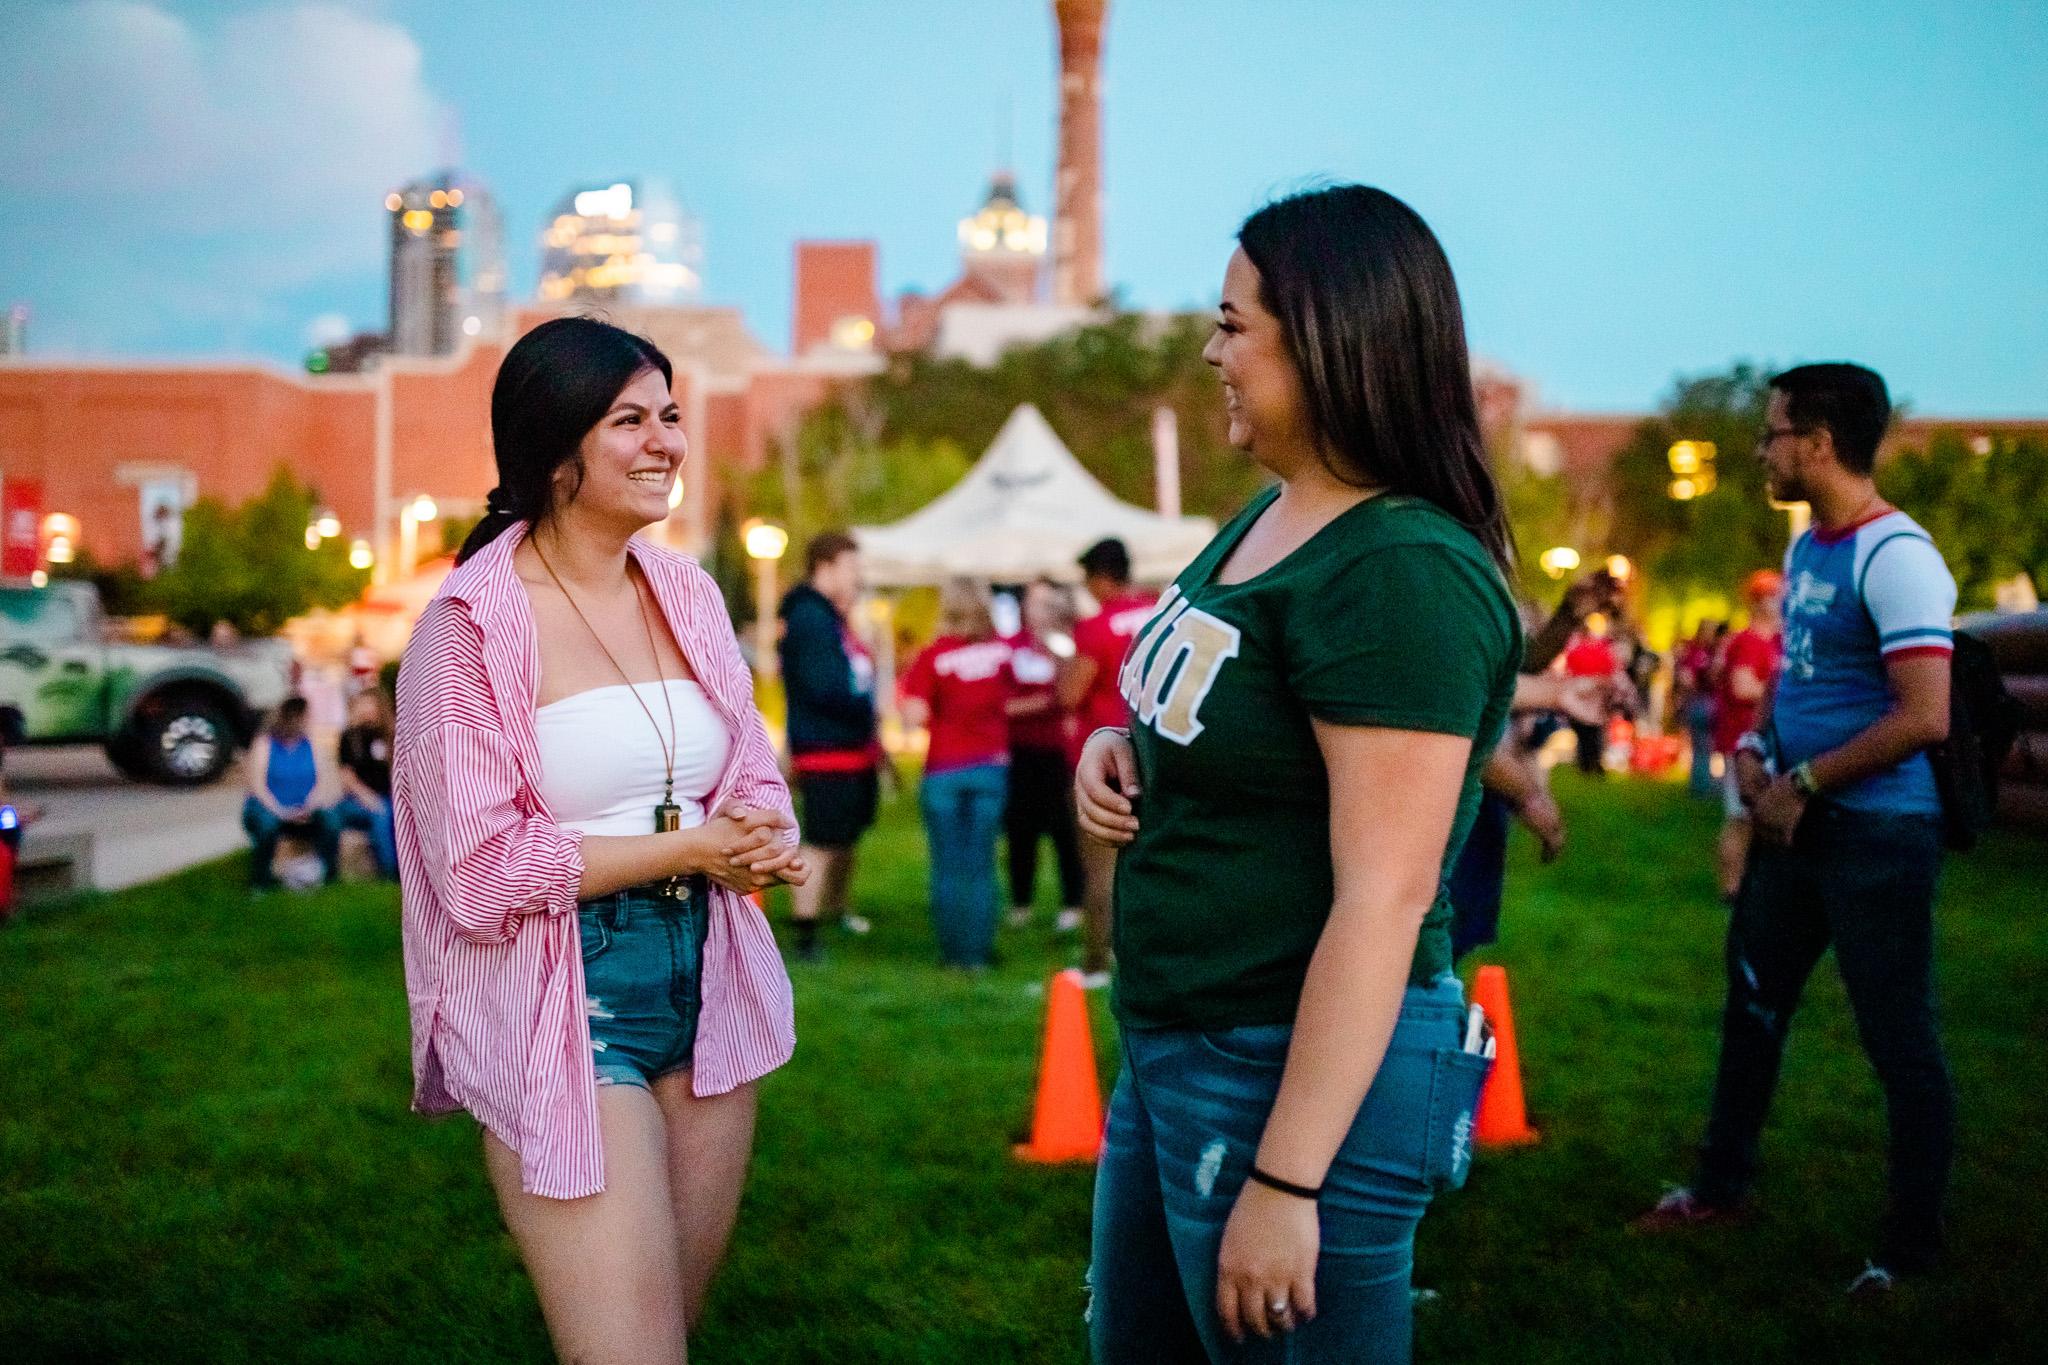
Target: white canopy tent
1026, 509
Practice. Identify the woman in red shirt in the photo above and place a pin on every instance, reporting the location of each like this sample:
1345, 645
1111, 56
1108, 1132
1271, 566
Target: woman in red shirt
961, 686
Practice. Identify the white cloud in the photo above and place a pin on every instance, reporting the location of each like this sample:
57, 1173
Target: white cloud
247, 153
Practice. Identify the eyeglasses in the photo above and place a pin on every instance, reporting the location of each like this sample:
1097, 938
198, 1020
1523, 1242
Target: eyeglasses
1765, 437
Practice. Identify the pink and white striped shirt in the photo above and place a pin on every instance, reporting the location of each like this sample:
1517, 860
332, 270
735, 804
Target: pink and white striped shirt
493, 967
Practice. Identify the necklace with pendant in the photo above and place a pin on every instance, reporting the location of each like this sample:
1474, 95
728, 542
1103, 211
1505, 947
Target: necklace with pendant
668, 816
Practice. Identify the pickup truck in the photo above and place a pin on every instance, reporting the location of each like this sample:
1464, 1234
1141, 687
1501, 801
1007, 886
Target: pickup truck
165, 713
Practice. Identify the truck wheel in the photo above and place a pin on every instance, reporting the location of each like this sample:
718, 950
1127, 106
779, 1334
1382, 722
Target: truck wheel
185, 741
124, 751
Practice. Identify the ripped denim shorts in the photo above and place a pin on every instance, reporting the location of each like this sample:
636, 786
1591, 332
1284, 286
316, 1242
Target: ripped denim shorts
643, 975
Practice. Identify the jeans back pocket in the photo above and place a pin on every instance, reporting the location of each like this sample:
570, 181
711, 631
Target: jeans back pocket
1455, 1082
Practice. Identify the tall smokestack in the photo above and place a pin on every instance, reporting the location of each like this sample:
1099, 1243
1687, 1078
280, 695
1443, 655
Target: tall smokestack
1077, 224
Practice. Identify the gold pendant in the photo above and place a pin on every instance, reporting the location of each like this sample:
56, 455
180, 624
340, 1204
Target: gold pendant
668, 818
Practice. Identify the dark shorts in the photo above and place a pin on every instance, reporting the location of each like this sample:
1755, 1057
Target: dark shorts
643, 980
837, 808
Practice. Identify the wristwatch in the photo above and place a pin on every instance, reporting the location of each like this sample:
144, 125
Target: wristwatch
1803, 780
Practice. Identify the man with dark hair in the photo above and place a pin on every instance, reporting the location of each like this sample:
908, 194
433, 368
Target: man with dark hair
829, 678
1089, 689
1847, 817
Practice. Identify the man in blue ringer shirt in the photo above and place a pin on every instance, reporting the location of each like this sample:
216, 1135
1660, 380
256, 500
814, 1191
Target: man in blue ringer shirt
1848, 822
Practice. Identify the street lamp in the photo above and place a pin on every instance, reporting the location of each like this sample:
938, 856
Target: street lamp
1618, 568
360, 556
765, 542
327, 524
1558, 560
417, 511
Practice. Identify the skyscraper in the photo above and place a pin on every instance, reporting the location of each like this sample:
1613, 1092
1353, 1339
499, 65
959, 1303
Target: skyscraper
483, 262
426, 233
626, 242
1077, 216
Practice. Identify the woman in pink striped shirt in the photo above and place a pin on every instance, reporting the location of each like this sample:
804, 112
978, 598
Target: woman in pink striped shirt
584, 793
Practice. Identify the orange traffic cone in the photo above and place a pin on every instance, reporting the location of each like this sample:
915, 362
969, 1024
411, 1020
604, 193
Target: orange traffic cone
1502, 1119
1067, 1122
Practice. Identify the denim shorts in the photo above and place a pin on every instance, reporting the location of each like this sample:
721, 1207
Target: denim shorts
643, 978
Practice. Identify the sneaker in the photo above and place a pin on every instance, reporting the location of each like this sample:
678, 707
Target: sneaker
1094, 981
1682, 1208
1069, 921
1873, 1285
1020, 917
855, 924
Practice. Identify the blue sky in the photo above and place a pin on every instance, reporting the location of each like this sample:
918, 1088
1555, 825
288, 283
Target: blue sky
1626, 192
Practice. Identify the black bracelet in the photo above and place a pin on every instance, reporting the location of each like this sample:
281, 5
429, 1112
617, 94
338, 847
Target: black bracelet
1274, 1182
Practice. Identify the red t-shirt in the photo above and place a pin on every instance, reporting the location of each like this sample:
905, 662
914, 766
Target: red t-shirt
1760, 654
1037, 672
968, 685
1590, 657
1105, 637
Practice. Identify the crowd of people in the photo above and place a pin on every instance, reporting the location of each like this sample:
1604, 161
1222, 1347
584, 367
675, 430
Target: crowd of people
1293, 771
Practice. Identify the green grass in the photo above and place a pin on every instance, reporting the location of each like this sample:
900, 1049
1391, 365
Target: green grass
205, 1152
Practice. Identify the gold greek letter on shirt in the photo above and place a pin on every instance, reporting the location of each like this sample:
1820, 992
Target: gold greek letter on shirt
1178, 676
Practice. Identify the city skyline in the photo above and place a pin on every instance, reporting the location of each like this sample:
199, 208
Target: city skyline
1623, 200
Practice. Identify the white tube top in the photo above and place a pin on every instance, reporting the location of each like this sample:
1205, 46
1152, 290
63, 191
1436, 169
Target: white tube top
601, 765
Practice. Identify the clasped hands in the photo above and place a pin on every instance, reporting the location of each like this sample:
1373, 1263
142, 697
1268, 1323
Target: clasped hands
744, 851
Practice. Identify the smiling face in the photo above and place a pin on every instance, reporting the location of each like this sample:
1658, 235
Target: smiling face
631, 459
1262, 390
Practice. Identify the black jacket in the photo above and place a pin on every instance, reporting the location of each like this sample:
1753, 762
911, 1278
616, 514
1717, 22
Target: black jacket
829, 707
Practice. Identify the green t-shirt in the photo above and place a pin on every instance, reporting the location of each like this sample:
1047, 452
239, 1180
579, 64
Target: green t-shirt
1393, 616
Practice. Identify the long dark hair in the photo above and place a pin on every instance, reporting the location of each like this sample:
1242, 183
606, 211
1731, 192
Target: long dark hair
1370, 310
556, 383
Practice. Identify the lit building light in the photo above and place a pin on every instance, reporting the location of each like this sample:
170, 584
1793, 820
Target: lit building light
423, 508
360, 556
1558, 560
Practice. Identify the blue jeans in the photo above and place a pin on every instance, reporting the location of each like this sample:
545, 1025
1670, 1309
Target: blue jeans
963, 814
353, 814
1864, 883
643, 979
1699, 725
1184, 1124
264, 829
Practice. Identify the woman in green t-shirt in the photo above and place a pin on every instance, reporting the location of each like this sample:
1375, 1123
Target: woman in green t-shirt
1310, 708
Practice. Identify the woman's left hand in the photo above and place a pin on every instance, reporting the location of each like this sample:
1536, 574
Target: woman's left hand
1267, 1261
762, 859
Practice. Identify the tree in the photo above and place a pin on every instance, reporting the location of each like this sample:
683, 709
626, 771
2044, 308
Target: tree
887, 446
249, 565
1986, 507
1706, 543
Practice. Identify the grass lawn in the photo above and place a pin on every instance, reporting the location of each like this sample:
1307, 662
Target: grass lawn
205, 1152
